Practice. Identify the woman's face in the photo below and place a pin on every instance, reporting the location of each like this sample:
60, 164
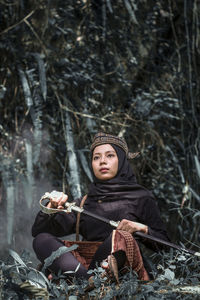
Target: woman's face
104, 162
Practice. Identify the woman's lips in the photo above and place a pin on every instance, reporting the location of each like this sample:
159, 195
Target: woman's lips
103, 170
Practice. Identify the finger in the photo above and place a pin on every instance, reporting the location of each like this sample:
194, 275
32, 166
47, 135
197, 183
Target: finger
122, 227
119, 226
56, 200
60, 207
62, 200
59, 197
54, 203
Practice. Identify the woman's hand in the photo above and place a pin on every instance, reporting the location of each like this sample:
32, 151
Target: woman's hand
57, 200
132, 227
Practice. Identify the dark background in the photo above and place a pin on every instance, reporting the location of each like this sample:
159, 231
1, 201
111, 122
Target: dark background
69, 69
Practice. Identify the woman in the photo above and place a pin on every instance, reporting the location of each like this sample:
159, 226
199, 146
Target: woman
114, 194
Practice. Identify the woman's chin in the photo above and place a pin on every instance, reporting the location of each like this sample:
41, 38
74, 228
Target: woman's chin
105, 176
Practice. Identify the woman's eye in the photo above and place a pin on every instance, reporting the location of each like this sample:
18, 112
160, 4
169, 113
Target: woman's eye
110, 155
95, 157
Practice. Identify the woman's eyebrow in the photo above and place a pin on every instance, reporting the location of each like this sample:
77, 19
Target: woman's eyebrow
110, 151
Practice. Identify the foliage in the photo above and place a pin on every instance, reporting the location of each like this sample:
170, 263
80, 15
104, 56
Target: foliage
178, 277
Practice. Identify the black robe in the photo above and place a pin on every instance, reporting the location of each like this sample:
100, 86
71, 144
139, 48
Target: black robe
143, 210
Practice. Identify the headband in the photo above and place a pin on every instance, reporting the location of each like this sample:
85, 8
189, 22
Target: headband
105, 138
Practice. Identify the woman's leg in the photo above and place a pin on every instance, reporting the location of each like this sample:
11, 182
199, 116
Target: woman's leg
104, 251
44, 244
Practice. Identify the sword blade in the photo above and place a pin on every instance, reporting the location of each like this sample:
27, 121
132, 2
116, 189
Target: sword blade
72, 207
139, 234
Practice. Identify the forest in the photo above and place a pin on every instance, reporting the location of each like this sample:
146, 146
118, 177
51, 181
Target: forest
70, 69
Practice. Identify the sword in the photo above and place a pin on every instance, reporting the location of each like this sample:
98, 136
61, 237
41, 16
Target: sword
71, 206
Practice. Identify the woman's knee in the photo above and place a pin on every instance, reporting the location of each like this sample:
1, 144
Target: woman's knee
44, 244
41, 239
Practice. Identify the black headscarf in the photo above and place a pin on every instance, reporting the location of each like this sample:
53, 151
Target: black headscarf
122, 186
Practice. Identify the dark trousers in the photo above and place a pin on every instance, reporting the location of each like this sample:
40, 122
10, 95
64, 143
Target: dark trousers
44, 244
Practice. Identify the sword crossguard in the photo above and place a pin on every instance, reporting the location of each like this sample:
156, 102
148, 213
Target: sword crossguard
69, 205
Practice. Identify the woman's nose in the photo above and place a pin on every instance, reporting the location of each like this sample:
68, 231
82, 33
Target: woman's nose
103, 159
